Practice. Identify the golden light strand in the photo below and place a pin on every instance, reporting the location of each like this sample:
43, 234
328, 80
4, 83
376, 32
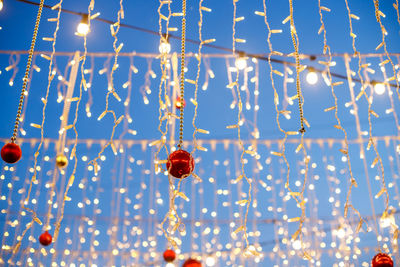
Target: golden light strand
82, 84
114, 28
182, 75
172, 214
378, 15
370, 111
294, 195
242, 228
28, 66
195, 102
295, 41
50, 78
345, 150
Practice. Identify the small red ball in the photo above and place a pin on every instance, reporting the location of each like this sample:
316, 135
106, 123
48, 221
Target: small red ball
191, 263
180, 163
382, 260
45, 239
178, 103
11, 153
169, 255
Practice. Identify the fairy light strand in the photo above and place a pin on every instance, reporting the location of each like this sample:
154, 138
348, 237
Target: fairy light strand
248, 201
345, 150
73, 150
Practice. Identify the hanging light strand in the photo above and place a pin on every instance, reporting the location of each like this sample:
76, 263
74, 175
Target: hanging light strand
28, 66
182, 76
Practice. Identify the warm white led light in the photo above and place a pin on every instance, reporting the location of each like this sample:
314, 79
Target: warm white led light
164, 47
241, 63
312, 77
210, 261
379, 88
83, 27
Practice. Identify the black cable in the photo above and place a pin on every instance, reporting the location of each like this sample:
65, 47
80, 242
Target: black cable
260, 57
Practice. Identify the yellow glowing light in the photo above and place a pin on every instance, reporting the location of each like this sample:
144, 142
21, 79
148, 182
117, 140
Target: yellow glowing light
241, 63
164, 47
341, 233
210, 261
83, 27
379, 88
296, 244
312, 77
1, 5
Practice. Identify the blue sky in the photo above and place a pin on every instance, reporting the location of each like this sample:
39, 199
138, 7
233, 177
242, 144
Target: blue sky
130, 211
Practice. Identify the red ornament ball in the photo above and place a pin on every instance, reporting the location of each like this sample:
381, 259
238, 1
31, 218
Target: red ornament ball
169, 255
382, 260
180, 163
191, 263
45, 239
178, 103
11, 153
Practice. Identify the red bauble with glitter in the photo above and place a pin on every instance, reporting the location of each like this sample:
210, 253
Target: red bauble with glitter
11, 153
178, 103
191, 263
180, 163
169, 255
382, 260
45, 239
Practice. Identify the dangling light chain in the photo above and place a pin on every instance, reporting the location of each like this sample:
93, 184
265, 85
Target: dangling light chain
295, 40
28, 67
182, 78
345, 150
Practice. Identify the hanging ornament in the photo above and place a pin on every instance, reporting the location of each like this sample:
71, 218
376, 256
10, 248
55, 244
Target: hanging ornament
382, 260
180, 164
169, 255
191, 263
178, 103
45, 239
11, 153
61, 161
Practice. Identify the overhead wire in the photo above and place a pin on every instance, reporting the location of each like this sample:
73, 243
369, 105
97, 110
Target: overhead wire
221, 48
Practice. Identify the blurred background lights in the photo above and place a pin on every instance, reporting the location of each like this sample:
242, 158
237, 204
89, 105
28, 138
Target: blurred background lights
210, 261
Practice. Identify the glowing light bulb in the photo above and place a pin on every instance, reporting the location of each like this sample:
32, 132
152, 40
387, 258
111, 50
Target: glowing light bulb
379, 88
83, 26
387, 221
296, 244
164, 47
241, 63
210, 261
340, 233
312, 77
170, 264
1, 5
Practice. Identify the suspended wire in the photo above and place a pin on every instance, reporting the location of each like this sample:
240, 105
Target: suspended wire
251, 55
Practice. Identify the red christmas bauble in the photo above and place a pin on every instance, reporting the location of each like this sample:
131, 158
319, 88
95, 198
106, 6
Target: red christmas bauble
11, 153
169, 255
191, 263
382, 260
178, 103
45, 239
180, 163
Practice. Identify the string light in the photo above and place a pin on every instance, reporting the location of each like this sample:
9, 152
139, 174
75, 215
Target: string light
312, 76
241, 61
210, 261
1, 5
165, 46
379, 88
83, 27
